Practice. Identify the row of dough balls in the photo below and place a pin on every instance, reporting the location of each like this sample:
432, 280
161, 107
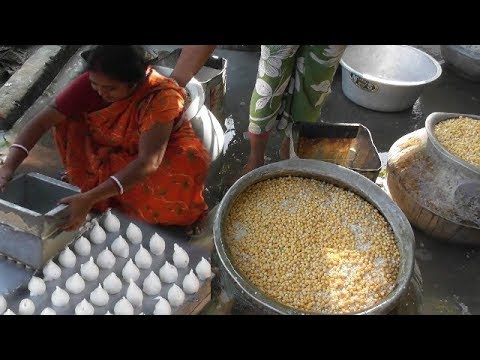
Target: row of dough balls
112, 284
123, 307
120, 246
106, 260
75, 284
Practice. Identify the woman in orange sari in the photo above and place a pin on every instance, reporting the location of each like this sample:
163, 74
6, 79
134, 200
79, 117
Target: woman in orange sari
119, 132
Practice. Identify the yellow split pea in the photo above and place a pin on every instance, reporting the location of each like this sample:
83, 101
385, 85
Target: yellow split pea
461, 137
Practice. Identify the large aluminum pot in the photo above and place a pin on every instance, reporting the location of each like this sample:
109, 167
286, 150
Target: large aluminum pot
438, 192
386, 77
252, 297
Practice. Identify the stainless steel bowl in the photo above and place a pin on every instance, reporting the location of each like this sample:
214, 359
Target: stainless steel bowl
457, 179
336, 175
386, 77
462, 60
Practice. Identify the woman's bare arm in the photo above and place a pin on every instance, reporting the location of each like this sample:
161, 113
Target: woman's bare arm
191, 60
28, 137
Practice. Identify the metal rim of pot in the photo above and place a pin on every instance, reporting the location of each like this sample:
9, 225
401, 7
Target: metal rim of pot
339, 176
473, 55
432, 120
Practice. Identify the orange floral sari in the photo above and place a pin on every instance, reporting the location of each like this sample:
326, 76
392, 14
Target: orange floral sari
104, 142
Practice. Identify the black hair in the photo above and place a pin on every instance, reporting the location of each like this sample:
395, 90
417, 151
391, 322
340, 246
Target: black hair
124, 63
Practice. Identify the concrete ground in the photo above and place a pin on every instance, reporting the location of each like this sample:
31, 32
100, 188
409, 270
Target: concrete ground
450, 273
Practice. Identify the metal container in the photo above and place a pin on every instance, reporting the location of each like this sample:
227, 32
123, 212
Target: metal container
250, 296
204, 122
468, 170
348, 145
212, 76
386, 77
30, 218
439, 192
206, 127
462, 60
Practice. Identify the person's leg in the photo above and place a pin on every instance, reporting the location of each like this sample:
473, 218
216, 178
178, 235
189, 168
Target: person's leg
274, 72
258, 146
284, 152
308, 89
313, 80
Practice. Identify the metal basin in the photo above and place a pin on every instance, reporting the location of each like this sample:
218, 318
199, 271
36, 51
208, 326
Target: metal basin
438, 192
460, 179
463, 60
250, 296
386, 78
348, 145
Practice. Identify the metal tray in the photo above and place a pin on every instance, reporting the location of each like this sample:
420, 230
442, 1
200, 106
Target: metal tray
171, 235
347, 145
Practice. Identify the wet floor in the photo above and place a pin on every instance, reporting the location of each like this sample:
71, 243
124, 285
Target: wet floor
449, 273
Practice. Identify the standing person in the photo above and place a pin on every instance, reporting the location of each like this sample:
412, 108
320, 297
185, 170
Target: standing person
293, 82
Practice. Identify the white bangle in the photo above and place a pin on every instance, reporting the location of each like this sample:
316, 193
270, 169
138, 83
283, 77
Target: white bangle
21, 147
118, 183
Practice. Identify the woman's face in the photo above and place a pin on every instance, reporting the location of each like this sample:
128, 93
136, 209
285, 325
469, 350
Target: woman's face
109, 89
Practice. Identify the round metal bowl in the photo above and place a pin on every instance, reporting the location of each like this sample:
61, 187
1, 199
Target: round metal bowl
464, 61
458, 178
386, 78
338, 176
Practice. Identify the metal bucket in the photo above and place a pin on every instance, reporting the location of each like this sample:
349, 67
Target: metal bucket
386, 77
459, 180
212, 76
206, 127
250, 297
438, 192
204, 122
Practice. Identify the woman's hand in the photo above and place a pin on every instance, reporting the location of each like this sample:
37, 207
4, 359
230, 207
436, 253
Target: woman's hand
80, 206
5, 176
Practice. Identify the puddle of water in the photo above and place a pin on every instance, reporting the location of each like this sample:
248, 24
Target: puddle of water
463, 307
229, 133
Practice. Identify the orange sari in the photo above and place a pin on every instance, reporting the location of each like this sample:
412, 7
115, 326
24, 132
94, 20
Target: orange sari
104, 142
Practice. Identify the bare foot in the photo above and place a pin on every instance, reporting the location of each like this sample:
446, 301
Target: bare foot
64, 177
193, 230
198, 226
251, 164
285, 149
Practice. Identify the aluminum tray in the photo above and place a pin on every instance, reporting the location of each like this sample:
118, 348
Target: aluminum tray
171, 235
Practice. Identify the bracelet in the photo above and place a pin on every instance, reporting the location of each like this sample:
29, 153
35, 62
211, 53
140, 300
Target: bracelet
21, 147
118, 184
